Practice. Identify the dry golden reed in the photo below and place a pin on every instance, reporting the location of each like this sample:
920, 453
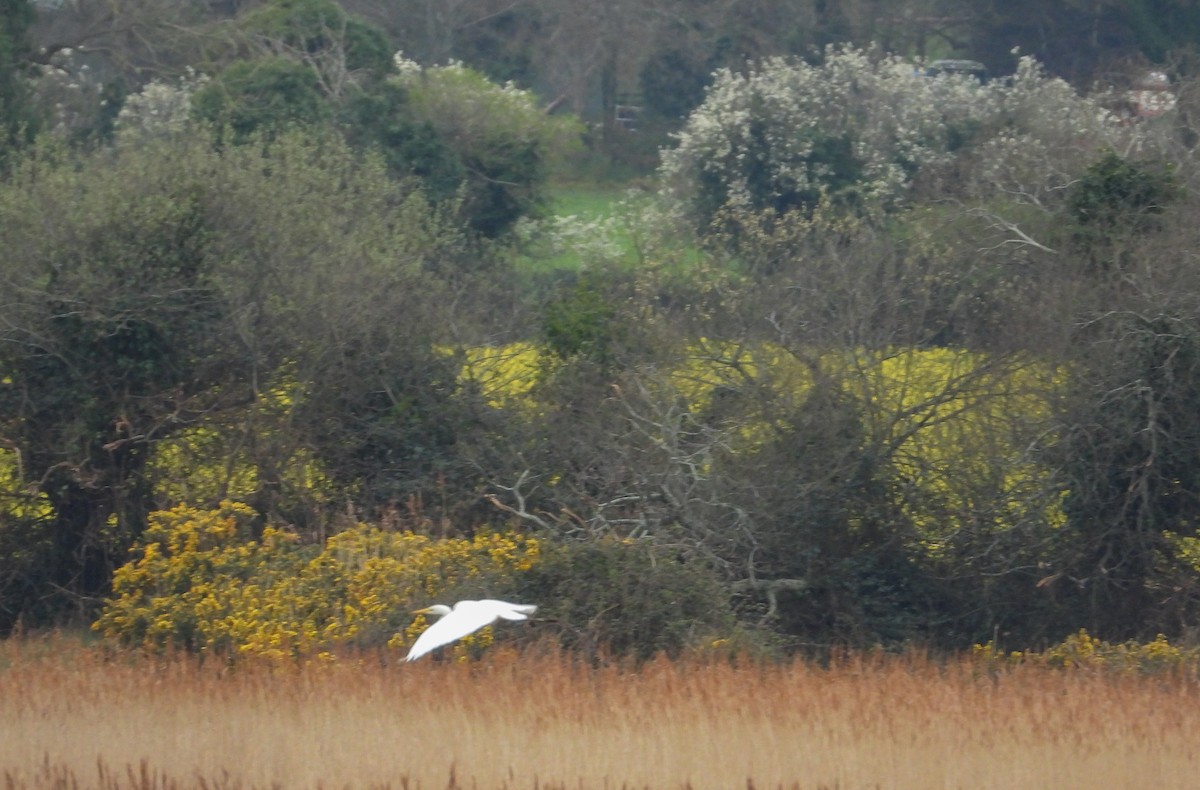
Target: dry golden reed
72, 716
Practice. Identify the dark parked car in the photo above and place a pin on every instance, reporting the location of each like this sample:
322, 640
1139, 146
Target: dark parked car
972, 67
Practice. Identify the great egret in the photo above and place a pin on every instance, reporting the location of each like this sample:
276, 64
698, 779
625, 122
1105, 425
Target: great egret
465, 618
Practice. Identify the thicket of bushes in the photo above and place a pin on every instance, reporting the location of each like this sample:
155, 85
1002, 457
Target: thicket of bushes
928, 375
203, 581
219, 583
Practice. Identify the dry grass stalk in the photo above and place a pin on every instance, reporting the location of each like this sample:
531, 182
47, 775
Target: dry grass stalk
76, 717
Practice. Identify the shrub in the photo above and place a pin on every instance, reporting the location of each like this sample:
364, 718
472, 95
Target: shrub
1081, 650
862, 129
1119, 197
628, 597
199, 580
323, 32
156, 289
782, 135
267, 94
500, 136
581, 321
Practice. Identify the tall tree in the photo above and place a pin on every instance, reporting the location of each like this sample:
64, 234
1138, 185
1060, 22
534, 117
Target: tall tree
16, 119
1162, 26
159, 286
1074, 39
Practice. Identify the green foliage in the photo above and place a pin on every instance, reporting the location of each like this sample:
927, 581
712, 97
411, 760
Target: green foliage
17, 119
199, 580
501, 138
114, 326
1162, 27
628, 597
321, 28
582, 322
1117, 197
479, 148
840, 392
589, 227
397, 441
264, 95
154, 290
673, 81
383, 118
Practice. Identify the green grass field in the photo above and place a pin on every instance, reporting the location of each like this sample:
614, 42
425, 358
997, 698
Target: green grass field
591, 204
588, 200
605, 228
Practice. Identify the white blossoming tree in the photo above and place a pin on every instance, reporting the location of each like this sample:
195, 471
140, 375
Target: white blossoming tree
862, 128
160, 109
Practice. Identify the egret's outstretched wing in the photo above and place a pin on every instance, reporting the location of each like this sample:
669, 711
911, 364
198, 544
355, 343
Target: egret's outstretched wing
512, 611
465, 618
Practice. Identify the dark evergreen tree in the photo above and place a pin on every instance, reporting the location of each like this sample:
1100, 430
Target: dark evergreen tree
17, 122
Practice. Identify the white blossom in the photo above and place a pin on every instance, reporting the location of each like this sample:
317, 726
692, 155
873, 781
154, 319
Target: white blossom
592, 239
159, 109
405, 69
863, 126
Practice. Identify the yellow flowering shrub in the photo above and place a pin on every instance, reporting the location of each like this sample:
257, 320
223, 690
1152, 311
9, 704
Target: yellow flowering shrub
199, 580
388, 573
16, 501
505, 375
1184, 548
954, 427
1081, 650
957, 428
709, 366
209, 461
27, 538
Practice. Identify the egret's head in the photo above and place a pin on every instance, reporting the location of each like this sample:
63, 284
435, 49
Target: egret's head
439, 609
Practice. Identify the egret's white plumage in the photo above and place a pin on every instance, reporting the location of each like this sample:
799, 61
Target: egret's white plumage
465, 618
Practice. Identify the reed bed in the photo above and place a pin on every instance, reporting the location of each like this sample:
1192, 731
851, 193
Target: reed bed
72, 716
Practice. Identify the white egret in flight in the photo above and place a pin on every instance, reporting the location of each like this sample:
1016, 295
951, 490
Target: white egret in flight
465, 618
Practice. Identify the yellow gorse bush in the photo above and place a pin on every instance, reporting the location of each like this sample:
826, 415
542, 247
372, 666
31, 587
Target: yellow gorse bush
952, 422
1081, 650
505, 375
16, 500
198, 580
956, 425
209, 462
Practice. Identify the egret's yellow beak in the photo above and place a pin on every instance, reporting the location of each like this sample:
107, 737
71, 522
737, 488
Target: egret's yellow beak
422, 611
